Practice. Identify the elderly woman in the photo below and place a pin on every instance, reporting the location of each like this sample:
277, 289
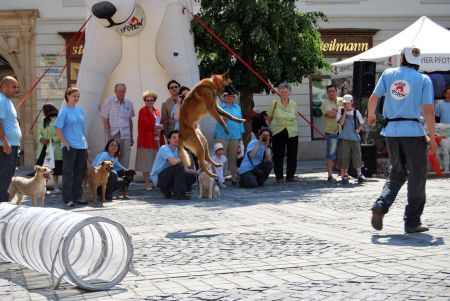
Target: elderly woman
148, 140
47, 134
283, 117
70, 129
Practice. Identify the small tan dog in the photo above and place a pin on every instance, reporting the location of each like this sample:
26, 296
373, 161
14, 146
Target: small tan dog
98, 176
208, 187
198, 103
34, 187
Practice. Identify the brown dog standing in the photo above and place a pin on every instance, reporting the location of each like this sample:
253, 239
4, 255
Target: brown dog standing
199, 102
34, 187
98, 176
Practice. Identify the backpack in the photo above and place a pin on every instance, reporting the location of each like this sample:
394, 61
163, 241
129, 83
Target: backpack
355, 118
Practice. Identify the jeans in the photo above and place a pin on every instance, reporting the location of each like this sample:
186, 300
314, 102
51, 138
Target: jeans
7, 169
74, 168
332, 142
280, 142
408, 157
250, 179
175, 179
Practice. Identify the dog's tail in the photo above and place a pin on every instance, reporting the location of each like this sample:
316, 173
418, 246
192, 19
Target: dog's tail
183, 154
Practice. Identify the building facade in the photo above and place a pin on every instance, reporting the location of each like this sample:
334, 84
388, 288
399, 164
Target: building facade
33, 35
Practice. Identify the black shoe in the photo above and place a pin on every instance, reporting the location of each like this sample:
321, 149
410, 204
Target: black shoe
167, 194
291, 180
79, 202
181, 196
377, 218
417, 229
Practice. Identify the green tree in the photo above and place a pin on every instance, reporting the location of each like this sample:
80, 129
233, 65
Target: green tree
279, 42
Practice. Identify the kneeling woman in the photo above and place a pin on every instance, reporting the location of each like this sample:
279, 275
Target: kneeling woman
257, 163
111, 153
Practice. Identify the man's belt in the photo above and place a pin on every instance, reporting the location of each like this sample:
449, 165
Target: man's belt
387, 120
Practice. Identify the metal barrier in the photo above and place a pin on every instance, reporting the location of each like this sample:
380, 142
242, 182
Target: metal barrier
92, 253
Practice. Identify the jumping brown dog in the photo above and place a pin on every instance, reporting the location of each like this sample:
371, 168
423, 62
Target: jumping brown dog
199, 102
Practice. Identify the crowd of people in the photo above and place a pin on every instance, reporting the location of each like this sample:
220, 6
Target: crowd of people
275, 138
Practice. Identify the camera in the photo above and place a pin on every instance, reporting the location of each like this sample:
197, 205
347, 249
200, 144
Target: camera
264, 139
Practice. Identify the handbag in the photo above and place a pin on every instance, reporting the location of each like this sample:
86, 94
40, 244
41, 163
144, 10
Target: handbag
49, 159
258, 170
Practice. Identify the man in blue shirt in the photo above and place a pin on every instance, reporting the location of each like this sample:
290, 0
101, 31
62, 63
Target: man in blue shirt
443, 108
168, 172
406, 92
10, 134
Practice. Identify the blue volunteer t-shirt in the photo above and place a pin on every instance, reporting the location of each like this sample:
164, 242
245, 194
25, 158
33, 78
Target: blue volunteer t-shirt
105, 156
8, 115
406, 91
235, 129
443, 111
71, 122
161, 162
246, 164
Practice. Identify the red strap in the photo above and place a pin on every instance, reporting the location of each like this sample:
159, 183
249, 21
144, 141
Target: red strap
247, 65
25, 97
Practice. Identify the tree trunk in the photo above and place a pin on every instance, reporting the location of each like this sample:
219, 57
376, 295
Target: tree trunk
247, 104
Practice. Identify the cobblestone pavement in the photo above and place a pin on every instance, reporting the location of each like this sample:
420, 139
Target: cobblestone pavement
309, 240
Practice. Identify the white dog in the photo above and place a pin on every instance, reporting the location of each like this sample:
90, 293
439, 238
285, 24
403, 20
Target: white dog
34, 187
443, 154
208, 187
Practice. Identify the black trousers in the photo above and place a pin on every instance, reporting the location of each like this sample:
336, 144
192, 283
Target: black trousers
115, 182
280, 143
408, 158
175, 179
252, 179
7, 169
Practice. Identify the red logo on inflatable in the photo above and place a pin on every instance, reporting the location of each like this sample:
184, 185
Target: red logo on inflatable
134, 21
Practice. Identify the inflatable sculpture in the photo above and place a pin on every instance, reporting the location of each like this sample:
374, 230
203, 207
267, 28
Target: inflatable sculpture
142, 43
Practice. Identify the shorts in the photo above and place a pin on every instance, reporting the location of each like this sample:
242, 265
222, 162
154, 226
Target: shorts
349, 149
332, 142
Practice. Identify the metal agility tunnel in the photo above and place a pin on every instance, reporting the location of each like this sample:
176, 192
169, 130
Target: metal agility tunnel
92, 253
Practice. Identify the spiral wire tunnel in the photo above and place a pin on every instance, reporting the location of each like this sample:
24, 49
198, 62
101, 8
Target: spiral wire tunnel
92, 253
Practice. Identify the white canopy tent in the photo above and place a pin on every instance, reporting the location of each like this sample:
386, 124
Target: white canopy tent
431, 38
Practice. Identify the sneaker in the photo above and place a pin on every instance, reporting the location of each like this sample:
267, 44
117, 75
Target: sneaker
331, 179
291, 180
417, 229
362, 179
345, 180
281, 180
70, 204
167, 194
56, 190
377, 218
222, 185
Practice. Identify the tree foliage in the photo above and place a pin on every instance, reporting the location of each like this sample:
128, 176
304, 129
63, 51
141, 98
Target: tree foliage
278, 41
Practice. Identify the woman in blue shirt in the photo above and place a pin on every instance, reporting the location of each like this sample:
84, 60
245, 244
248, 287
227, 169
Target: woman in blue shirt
111, 153
70, 129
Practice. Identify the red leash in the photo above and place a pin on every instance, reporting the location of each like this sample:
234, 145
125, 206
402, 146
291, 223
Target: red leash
196, 18
25, 97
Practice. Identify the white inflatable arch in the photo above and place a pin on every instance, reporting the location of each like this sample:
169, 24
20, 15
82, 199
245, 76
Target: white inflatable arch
142, 43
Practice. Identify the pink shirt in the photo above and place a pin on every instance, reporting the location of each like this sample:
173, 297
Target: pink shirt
119, 115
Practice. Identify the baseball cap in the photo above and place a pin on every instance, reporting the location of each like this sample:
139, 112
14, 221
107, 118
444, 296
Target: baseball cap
347, 98
412, 54
218, 146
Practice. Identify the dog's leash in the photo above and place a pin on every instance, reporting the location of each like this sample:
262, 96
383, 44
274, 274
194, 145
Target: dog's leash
196, 18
